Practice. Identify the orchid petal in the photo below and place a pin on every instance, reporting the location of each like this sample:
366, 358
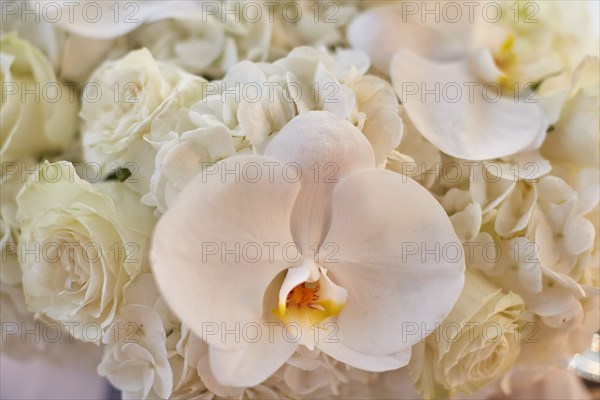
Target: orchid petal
294, 277
464, 121
384, 30
330, 149
256, 361
212, 227
362, 361
377, 216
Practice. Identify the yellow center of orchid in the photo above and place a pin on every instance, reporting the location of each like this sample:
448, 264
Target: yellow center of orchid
309, 303
505, 60
305, 294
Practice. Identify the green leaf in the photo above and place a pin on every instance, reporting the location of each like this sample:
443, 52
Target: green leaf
121, 175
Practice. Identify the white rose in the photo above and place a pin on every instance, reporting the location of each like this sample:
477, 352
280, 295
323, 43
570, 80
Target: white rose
10, 272
132, 92
80, 244
36, 123
201, 38
475, 344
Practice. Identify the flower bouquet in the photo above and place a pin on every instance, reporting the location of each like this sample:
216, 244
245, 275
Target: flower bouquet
301, 199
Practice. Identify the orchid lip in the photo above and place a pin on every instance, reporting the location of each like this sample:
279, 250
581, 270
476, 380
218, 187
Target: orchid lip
307, 299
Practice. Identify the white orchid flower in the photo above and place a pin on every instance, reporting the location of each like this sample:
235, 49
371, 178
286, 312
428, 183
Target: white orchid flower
460, 107
383, 30
350, 271
455, 93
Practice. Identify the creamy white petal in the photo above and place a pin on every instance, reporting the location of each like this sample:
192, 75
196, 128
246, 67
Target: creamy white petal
551, 301
102, 20
488, 190
382, 225
253, 121
331, 148
516, 210
381, 31
467, 222
348, 59
367, 362
525, 263
547, 251
588, 190
463, 117
575, 135
209, 247
560, 320
578, 235
256, 361
294, 277
479, 259
522, 166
